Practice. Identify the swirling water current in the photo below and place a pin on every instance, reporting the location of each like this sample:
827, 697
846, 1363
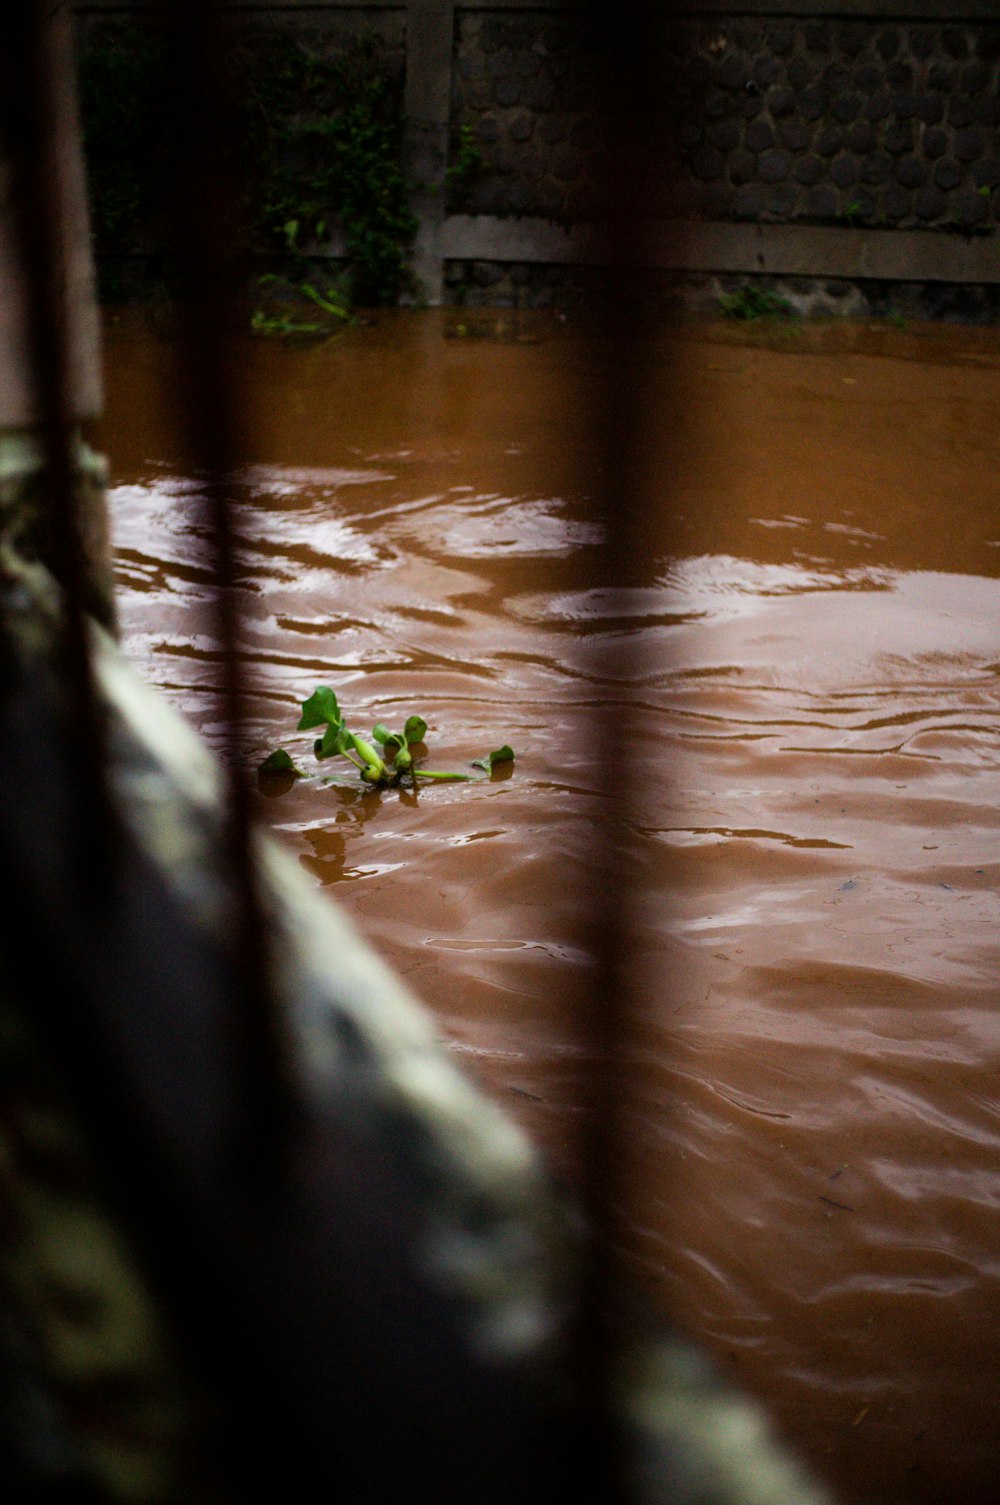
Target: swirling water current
814, 1101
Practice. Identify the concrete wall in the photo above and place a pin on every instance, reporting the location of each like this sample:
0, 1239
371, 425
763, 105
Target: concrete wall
839, 141
862, 148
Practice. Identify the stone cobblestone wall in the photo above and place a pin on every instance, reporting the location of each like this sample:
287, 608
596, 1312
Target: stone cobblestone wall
524, 85
795, 128
810, 121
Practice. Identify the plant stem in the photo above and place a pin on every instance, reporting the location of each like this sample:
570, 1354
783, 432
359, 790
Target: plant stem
453, 778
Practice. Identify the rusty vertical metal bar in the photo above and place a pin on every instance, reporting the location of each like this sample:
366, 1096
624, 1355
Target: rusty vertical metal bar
208, 275
628, 40
36, 118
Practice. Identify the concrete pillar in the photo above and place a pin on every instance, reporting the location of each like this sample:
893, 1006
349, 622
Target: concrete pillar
430, 26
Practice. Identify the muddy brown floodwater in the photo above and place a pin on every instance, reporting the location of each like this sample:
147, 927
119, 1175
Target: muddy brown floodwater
814, 1091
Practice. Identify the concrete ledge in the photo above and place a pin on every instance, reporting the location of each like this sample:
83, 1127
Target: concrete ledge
697, 246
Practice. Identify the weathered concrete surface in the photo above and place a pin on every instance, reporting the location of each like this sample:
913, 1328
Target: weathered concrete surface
429, 28
697, 246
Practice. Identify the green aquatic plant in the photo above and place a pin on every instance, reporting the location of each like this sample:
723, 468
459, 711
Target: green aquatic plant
753, 302
387, 767
284, 304
261, 322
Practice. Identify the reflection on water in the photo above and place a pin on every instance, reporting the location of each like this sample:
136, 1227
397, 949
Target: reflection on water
814, 1100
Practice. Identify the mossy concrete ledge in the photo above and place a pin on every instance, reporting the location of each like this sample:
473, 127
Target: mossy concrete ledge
448, 1196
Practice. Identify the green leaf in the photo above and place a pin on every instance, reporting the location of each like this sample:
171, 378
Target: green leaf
280, 762
319, 708
391, 741
415, 729
503, 754
336, 739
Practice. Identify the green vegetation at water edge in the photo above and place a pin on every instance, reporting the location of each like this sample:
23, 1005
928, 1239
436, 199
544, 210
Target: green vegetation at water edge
752, 303
284, 302
317, 144
324, 129
397, 757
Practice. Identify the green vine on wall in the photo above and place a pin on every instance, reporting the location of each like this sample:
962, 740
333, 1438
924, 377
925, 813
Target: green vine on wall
321, 143
325, 137
466, 162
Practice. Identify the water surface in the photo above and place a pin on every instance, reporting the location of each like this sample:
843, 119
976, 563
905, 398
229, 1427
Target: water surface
813, 1109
